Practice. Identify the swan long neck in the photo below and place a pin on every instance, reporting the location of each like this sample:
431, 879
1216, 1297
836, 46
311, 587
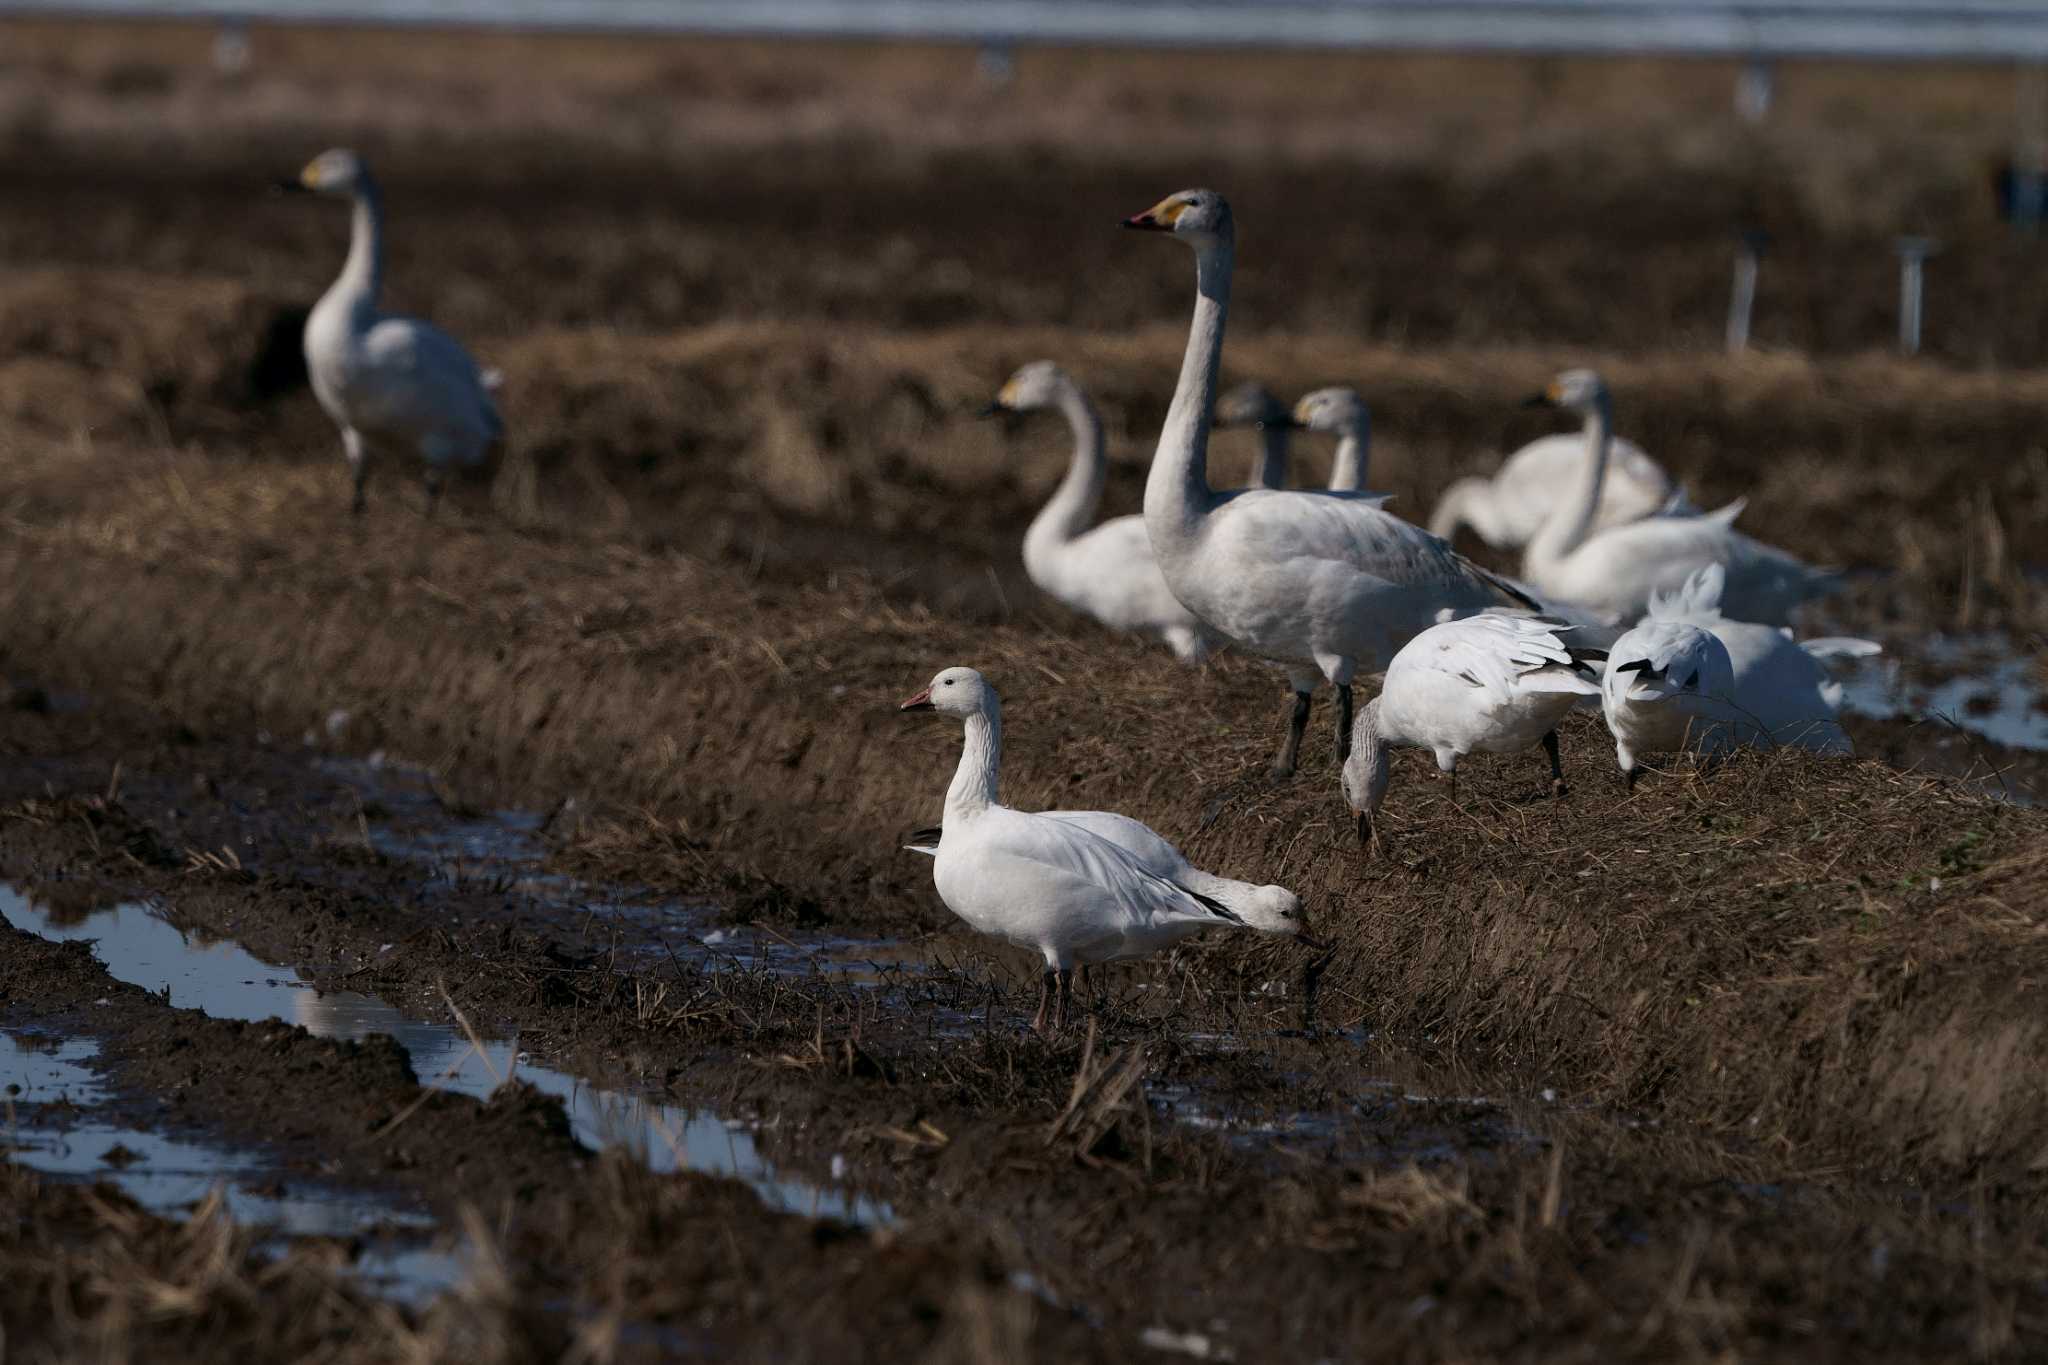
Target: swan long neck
1354, 448
1468, 502
1073, 503
976, 780
362, 274
1569, 525
1271, 469
1177, 494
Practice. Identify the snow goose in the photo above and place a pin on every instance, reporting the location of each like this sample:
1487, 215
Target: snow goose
1052, 885
1613, 572
1314, 580
1252, 405
1506, 510
392, 384
1489, 683
1780, 693
1105, 571
1664, 690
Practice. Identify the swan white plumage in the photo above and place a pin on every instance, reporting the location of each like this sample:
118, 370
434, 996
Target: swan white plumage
1105, 571
394, 385
1613, 572
1048, 885
1252, 405
1508, 509
1780, 692
1311, 579
1481, 684
1274, 909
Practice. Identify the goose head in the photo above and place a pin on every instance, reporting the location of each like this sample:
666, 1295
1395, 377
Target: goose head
1582, 391
1367, 770
1041, 384
1275, 910
337, 171
955, 691
1198, 217
1338, 410
1251, 404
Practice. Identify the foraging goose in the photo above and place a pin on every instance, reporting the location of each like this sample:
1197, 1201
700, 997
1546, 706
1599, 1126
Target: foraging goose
1251, 404
1663, 690
1508, 509
1316, 580
1048, 885
1780, 694
1105, 571
1613, 572
1274, 909
392, 384
1488, 683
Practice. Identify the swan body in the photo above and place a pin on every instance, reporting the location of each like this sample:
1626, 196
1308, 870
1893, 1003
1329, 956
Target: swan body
1105, 571
1508, 509
1048, 885
1614, 572
392, 384
1313, 580
1482, 684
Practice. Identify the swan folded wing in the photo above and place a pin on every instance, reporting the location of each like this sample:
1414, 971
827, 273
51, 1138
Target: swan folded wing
1264, 525
423, 381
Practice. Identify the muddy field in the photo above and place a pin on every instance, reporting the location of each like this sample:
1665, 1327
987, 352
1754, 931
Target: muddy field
491, 939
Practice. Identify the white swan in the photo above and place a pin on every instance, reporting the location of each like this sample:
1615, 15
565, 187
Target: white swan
1048, 885
1252, 405
1104, 571
1506, 510
1780, 693
1343, 412
1488, 683
1312, 579
1613, 572
392, 384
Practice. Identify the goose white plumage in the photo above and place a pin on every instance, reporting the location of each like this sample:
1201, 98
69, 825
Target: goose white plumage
1780, 692
1049, 885
1661, 691
1482, 684
1105, 571
1613, 572
1311, 579
1508, 509
394, 385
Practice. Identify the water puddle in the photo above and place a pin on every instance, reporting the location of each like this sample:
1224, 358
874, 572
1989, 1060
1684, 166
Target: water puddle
1986, 684
51, 1120
137, 945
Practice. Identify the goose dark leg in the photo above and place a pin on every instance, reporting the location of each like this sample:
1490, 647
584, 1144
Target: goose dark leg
1556, 764
1343, 723
1290, 747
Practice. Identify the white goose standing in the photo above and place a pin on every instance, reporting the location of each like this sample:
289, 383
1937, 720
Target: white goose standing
1613, 572
1509, 508
392, 384
1489, 683
1105, 571
1046, 884
1311, 579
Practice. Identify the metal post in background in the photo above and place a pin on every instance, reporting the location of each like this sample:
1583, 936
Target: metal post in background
1749, 254
2030, 150
1755, 84
1913, 254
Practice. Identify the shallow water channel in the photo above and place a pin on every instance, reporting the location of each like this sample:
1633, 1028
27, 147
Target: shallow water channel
137, 945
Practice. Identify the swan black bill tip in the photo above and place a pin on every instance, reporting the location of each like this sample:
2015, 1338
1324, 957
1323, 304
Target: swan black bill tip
1281, 424
1538, 400
988, 410
288, 187
1144, 222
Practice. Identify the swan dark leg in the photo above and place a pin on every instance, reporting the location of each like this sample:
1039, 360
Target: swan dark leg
1290, 747
434, 481
1343, 723
1556, 764
1059, 1008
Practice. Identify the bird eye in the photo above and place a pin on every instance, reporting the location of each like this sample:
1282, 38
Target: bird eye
949, 682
